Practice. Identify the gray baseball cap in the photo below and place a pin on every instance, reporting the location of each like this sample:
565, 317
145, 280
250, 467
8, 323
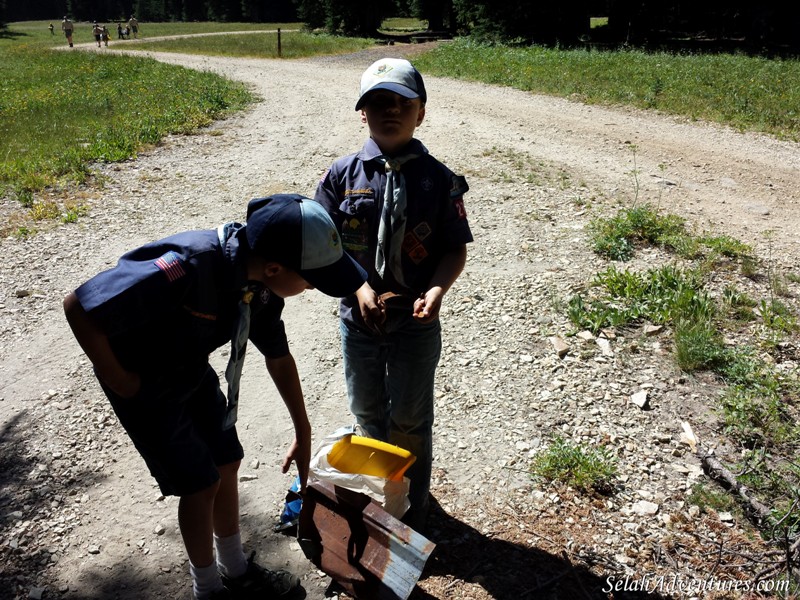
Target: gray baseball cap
393, 74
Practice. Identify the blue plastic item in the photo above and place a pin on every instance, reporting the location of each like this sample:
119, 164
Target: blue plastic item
291, 508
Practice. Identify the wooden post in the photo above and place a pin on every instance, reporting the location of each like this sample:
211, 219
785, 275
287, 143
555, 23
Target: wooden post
279, 42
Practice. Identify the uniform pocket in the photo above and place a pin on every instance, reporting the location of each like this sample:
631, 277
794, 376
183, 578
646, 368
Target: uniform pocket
356, 216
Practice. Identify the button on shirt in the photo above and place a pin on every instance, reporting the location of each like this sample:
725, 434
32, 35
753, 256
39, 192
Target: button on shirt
352, 192
167, 305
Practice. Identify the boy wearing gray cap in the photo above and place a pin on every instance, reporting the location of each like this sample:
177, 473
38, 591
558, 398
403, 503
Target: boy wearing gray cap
401, 215
148, 326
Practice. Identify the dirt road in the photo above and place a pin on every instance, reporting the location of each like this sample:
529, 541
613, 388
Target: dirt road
83, 520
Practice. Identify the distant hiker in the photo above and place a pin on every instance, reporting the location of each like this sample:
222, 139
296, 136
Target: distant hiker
104, 35
67, 27
51, 28
119, 31
97, 31
133, 26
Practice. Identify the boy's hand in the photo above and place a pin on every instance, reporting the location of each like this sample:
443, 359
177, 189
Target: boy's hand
373, 309
300, 454
426, 307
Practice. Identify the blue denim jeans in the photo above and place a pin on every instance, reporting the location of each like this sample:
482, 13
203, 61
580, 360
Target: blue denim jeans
390, 386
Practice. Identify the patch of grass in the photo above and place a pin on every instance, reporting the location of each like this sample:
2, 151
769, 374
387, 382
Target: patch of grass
72, 212
738, 303
63, 110
42, 211
777, 482
616, 238
294, 44
698, 344
585, 469
660, 296
521, 166
778, 285
776, 316
727, 246
403, 24
708, 497
750, 267
744, 92
758, 408
756, 419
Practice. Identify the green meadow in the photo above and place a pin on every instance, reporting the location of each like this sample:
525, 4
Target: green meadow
61, 110
293, 44
744, 92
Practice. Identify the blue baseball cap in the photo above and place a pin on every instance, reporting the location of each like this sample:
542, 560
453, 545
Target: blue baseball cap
298, 233
394, 74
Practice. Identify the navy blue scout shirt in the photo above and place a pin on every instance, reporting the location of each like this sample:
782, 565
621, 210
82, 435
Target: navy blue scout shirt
167, 305
352, 193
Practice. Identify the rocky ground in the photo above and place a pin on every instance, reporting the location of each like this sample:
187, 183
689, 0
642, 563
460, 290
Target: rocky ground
79, 516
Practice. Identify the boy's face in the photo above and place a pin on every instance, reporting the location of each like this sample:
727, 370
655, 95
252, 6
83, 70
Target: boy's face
392, 119
284, 282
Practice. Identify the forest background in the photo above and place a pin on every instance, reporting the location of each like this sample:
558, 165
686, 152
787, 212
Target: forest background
764, 27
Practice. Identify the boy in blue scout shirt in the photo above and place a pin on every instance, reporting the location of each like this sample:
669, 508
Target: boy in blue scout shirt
148, 326
401, 215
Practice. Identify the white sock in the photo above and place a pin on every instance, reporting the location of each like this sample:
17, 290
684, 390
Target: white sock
205, 580
231, 559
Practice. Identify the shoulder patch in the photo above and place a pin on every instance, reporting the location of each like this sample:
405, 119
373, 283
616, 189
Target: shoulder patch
171, 265
458, 186
458, 203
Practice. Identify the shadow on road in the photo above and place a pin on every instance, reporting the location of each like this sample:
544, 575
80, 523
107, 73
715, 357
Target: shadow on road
509, 571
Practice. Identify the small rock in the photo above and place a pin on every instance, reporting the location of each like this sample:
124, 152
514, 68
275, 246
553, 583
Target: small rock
159, 529
640, 399
650, 330
560, 346
645, 508
36, 593
605, 346
94, 549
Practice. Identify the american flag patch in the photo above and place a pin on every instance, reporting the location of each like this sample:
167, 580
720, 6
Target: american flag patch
170, 263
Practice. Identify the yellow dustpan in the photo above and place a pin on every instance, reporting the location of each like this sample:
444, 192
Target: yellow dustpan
367, 456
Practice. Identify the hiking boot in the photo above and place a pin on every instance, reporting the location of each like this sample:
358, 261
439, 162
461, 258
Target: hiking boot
260, 583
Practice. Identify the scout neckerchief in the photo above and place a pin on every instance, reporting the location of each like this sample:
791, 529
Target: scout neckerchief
392, 226
240, 334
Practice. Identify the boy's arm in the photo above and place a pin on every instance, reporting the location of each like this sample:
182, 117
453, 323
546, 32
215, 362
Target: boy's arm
426, 308
98, 349
283, 371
